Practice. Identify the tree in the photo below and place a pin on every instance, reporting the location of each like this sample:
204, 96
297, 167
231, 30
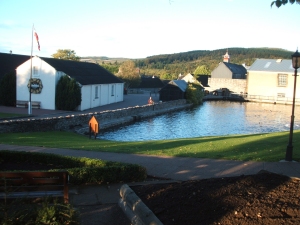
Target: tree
279, 3
194, 93
67, 54
68, 94
111, 68
166, 76
202, 70
129, 74
8, 89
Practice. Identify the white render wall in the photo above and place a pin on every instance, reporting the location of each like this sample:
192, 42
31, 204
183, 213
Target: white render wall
107, 93
46, 74
266, 84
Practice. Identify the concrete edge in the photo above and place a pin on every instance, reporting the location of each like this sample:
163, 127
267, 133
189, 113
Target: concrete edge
135, 210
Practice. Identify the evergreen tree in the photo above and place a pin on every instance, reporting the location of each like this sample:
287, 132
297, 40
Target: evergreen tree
8, 89
68, 94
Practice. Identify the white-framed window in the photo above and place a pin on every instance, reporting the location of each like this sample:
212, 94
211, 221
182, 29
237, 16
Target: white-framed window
282, 80
35, 71
281, 95
112, 90
96, 92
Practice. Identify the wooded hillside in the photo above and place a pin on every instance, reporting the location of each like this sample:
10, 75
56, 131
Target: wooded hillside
169, 66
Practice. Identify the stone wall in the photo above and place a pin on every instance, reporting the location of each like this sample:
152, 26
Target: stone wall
79, 123
235, 85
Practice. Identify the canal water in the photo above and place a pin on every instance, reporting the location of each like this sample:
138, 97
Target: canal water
214, 118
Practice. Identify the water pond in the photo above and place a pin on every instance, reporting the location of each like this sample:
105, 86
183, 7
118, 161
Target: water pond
215, 118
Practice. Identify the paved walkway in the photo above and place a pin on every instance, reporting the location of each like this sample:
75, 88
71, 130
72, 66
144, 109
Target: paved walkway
176, 168
130, 100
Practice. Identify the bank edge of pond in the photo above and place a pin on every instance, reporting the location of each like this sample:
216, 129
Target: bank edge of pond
114, 123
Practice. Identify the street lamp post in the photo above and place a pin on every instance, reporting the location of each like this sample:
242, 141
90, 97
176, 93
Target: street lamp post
289, 149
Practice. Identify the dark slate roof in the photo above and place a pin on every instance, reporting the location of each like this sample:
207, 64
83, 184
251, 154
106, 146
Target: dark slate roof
272, 65
236, 69
10, 62
149, 82
165, 82
83, 72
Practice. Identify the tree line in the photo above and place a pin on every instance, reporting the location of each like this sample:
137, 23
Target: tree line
169, 66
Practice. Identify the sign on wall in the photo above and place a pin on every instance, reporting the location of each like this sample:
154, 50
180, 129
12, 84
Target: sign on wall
36, 85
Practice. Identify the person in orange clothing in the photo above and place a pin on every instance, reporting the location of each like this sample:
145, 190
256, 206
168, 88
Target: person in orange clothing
150, 101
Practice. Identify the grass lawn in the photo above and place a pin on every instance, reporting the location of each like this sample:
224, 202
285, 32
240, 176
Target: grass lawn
269, 147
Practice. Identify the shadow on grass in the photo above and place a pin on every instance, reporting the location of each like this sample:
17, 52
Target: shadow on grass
269, 147
258, 147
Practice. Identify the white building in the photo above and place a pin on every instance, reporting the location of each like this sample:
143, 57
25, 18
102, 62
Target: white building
98, 86
272, 80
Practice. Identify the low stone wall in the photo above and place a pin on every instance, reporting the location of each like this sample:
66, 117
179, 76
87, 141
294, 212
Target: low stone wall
235, 85
79, 123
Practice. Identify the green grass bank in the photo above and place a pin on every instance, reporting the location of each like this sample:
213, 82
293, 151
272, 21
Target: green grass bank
268, 147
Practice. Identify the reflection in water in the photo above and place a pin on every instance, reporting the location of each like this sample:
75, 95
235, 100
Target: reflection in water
210, 119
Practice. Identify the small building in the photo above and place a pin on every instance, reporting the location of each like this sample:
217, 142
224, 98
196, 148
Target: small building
271, 80
228, 75
98, 86
149, 83
189, 78
203, 79
229, 71
174, 90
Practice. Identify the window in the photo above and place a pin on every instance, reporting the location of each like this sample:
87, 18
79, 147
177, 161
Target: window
282, 80
96, 92
112, 90
35, 71
267, 65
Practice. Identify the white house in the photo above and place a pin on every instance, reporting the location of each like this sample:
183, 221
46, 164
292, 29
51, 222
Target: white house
98, 86
272, 80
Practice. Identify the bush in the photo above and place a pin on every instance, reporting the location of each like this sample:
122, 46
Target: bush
46, 212
68, 94
81, 170
194, 93
8, 89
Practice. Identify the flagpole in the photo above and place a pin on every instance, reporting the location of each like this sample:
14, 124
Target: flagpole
29, 103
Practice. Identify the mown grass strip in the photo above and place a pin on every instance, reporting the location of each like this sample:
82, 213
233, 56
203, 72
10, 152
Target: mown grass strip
269, 147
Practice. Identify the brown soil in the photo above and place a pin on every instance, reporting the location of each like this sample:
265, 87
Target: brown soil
264, 198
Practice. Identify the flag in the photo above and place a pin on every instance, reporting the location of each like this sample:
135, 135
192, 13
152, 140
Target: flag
37, 40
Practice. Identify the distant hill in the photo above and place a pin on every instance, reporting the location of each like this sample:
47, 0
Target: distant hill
171, 65
104, 59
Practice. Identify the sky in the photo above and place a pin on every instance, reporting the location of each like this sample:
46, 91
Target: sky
142, 28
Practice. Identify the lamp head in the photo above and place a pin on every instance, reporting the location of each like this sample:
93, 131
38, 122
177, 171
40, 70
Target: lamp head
296, 59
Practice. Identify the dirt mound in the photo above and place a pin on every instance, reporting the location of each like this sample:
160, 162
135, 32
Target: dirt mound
264, 198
